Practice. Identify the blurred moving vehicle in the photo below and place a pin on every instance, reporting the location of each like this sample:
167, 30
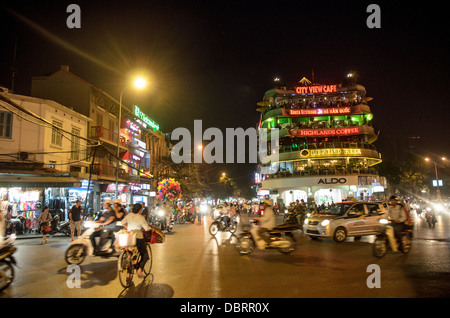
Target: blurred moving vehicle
345, 219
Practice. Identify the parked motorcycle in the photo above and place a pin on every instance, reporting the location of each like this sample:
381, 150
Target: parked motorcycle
6, 263
219, 225
281, 238
381, 244
59, 227
80, 248
430, 216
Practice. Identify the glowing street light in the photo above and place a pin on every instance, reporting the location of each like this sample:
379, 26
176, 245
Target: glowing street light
140, 83
438, 191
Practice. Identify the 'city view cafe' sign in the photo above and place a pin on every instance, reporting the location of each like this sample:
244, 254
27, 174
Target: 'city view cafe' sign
315, 89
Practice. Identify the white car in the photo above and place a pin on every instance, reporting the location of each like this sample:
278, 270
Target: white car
345, 219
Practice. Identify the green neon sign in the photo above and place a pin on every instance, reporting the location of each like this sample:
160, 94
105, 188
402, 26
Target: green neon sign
138, 113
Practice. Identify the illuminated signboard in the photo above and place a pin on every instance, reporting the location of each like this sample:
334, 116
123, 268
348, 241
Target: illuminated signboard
138, 113
320, 111
325, 132
316, 89
330, 152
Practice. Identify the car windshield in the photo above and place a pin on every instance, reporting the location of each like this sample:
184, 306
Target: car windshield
337, 209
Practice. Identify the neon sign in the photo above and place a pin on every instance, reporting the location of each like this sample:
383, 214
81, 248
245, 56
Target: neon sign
325, 132
145, 118
320, 111
330, 152
316, 89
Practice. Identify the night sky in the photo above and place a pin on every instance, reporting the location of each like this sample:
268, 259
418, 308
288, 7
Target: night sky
213, 60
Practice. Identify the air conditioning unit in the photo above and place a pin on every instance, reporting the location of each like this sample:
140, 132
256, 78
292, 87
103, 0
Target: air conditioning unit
23, 155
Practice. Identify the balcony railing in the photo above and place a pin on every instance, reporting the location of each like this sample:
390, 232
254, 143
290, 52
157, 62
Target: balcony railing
108, 135
108, 171
322, 171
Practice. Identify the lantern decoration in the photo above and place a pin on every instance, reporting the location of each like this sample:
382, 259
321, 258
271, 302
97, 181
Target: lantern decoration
168, 190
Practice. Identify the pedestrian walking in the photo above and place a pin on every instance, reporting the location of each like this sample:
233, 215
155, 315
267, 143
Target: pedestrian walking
75, 218
44, 220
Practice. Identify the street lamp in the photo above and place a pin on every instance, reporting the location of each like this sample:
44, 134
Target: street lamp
438, 192
139, 83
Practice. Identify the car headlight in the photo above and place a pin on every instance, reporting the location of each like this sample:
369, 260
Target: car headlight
306, 221
384, 221
325, 222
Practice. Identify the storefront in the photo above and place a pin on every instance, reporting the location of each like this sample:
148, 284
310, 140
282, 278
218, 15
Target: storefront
324, 189
23, 205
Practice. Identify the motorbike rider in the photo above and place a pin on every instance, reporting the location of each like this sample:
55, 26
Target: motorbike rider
134, 222
397, 214
108, 221
226, 214
266, 224
119, 213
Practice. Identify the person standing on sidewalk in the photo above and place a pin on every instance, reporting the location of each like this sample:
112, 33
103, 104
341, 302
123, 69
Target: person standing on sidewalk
44, 220
75, 218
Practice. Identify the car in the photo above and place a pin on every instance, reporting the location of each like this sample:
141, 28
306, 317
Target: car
345, 219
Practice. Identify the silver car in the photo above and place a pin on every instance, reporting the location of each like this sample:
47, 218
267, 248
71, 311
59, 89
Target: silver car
345, 219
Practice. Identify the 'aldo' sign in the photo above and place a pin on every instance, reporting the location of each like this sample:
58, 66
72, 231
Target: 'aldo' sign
332, 181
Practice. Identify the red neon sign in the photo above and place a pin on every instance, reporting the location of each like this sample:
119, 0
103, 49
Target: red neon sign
320, 111
325, 132
315, 89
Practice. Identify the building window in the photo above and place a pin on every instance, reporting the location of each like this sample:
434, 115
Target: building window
75, 144
6, 119
56, 135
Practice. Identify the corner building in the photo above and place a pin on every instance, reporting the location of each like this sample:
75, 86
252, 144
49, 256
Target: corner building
325, 149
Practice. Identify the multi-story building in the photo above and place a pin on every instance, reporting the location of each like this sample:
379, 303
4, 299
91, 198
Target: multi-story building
42, 145
326, 152
124, 157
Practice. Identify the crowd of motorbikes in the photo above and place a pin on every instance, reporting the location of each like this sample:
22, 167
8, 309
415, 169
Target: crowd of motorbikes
281, 238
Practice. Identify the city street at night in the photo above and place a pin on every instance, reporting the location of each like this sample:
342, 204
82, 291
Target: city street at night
325, 120
193, 264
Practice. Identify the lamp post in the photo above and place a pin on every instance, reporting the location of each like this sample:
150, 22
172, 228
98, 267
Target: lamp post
139, 83
438, 191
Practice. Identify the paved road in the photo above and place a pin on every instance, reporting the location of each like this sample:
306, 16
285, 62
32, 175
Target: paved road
192, 264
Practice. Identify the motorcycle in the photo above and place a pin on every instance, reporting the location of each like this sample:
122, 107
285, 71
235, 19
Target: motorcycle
59, 227
219, 225
160, 220
6, 263
281, 238
381, 244
80, 248
430, 217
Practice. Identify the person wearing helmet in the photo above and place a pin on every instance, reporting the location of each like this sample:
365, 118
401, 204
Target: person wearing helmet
266, 224
108, 221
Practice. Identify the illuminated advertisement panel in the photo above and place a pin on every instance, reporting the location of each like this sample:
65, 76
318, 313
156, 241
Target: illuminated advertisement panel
325, 132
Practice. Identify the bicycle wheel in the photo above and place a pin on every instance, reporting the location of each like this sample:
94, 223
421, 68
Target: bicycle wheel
148, 265
125, 269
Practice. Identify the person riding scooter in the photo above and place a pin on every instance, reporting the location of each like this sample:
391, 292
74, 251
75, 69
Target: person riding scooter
108, 221
266, 224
